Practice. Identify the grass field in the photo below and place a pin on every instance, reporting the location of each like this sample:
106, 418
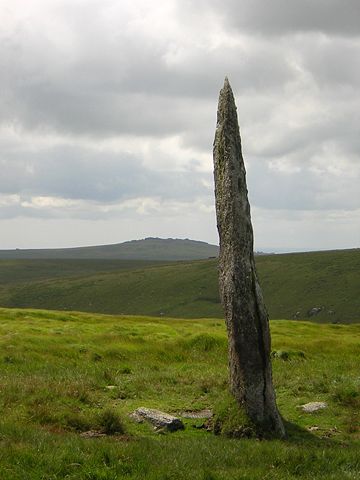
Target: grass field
23, 272
57, 367
293, 284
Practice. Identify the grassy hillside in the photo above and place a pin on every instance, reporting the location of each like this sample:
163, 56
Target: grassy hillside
293, 284
170, 289
14, 272
147, 249
301, 281
66, 373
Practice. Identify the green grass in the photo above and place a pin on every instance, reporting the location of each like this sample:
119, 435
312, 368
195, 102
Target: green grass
13, 272
291, 283
56, 367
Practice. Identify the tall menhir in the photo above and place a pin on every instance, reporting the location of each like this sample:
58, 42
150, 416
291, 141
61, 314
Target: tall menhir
246, 316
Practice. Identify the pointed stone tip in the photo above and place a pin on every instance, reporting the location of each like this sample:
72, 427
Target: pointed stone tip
226, 104
227, 87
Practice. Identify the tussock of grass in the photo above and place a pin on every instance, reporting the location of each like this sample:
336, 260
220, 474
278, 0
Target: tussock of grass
231, 421
205, 342
111, 423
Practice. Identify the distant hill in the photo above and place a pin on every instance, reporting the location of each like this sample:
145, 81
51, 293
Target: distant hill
148, 249
317, 286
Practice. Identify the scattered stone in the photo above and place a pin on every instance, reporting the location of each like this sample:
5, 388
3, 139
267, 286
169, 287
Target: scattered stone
197, 414
314, 311
313, 407
110, 387
330, 433
158, 419
287, 355
314, 428
92, 434
281, 354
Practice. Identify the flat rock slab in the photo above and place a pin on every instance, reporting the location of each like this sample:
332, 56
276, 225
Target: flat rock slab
160, 420
313, 407
197, 414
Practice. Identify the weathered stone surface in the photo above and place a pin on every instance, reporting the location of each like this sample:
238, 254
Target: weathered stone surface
158, 419
197, 414
245, 313
313, 407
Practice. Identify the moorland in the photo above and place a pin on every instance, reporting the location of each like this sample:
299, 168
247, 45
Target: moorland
293, 284
95, 339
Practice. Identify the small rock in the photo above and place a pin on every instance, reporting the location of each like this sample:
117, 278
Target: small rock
281, 354
158, 419
330, 433
314, 428
314, 311
313, 407
92, 434
287, 355
110, 387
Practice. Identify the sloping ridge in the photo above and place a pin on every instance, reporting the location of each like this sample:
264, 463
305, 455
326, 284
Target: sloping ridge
147, 249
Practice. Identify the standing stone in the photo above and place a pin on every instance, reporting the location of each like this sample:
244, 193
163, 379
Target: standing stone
246, 316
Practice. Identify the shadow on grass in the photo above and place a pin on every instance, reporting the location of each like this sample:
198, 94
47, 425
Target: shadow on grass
298, 435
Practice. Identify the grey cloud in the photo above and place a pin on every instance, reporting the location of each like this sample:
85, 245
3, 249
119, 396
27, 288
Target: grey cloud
123, 84
276, 17
333, 63
305, 142
78, 173
303, 189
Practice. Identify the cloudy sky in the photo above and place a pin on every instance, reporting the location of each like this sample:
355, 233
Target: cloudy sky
108, 111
